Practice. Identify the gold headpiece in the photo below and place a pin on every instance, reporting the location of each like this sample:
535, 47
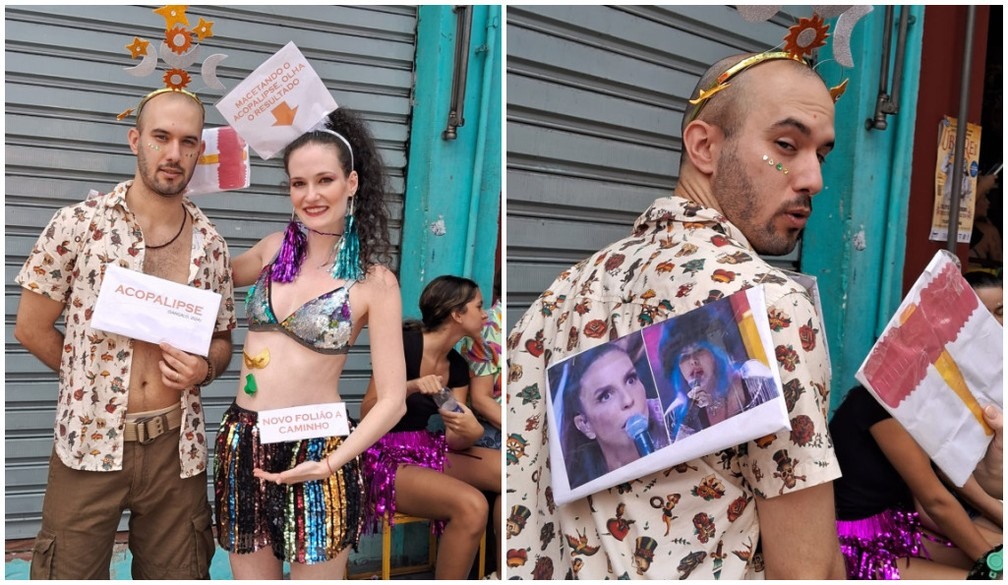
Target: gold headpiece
802, 40
179, 52
721, 82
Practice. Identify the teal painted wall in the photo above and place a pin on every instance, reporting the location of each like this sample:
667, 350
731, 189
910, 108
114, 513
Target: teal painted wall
855, 241
453, 187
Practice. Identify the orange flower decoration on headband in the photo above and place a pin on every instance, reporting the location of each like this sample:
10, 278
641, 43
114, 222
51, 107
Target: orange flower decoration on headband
806, 36
179, 49
178, 40
176, 78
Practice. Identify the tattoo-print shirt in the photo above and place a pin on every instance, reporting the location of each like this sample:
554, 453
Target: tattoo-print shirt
67, 265
697, 519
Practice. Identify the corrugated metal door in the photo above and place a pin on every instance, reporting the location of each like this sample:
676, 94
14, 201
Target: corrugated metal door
64, 86
595, 97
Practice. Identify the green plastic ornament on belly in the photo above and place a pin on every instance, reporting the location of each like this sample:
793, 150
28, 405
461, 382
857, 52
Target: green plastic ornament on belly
250, 385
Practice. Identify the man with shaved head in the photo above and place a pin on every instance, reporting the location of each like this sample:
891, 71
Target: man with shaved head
130, 431
754, 138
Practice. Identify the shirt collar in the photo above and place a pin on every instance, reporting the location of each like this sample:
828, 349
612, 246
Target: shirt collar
118, 198
118, 195
666, 211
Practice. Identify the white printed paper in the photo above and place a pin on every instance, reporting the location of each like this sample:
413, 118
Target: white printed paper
683, 410
224, 164
152, 309
303, 422
939, 361
279, 101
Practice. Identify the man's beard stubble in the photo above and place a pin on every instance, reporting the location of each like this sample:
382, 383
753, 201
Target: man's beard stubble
149, 177
735, 193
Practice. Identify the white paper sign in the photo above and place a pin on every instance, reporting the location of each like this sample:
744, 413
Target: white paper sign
939, 361
303, 422
745, 400
279, 101
152, 309
224, 165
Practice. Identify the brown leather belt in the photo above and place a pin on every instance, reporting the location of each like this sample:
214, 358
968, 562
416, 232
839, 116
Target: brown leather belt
146, 428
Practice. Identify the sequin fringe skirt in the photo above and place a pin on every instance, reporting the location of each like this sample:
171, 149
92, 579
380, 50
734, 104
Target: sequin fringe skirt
872, 546
422, 448
308, 522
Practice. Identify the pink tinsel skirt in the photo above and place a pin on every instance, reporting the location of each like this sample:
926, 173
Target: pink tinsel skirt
871, 546
382, 460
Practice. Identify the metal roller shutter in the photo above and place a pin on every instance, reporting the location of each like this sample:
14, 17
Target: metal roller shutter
65, 85
594, 104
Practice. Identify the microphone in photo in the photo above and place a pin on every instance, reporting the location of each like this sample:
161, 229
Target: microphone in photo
637, 429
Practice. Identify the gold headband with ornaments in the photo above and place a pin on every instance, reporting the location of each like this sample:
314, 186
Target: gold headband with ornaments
178, 51
801, 42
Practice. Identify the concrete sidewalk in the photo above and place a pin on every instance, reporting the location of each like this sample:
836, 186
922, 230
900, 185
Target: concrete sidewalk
366, 560
17, 569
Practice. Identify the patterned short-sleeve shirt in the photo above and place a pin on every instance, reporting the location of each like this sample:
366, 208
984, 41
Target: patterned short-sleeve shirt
698, 519
484, 356
67, 264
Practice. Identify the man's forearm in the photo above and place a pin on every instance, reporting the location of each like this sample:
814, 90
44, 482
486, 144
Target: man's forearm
46, 345
220, 352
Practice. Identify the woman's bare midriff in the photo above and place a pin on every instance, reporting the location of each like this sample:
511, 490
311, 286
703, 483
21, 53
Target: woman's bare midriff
295, 375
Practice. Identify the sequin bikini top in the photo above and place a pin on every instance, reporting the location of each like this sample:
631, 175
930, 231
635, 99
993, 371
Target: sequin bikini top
322, 324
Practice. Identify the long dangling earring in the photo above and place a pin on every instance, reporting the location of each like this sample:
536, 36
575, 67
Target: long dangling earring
292, 252
347, 265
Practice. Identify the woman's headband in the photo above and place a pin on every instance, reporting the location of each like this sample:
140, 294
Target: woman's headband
321, 127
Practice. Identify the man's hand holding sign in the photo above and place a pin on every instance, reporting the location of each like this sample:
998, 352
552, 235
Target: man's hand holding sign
181, 370
179, 318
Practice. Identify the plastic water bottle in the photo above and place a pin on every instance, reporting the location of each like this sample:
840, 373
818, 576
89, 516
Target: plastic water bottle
446, 401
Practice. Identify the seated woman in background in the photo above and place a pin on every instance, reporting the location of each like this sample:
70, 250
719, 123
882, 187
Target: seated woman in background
990, 289
433, 473
988, 474
485, 361
884, 473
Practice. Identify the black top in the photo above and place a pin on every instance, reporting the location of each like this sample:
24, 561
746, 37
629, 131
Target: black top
870, 484
420, 407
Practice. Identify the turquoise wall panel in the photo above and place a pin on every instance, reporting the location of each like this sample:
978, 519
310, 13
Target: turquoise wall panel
855, 240
453, 187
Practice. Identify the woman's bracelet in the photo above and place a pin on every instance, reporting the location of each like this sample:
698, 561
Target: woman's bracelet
329, 465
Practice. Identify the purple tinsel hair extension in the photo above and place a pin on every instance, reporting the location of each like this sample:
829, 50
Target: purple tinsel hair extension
291, 255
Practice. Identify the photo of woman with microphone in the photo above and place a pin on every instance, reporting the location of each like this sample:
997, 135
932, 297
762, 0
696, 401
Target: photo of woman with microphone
609, 409
705, 371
